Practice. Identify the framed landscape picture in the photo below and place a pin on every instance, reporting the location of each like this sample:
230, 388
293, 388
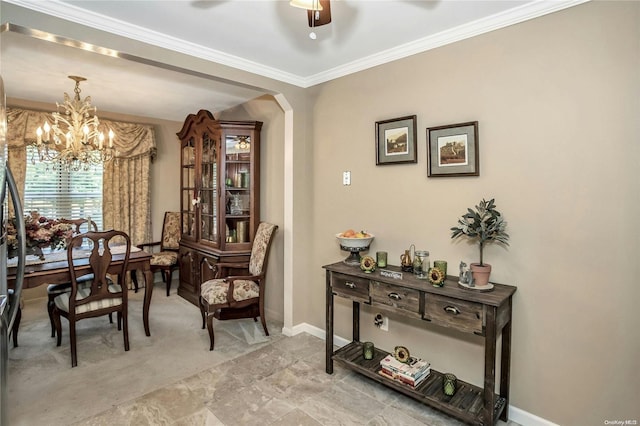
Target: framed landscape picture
453, 150
396, 141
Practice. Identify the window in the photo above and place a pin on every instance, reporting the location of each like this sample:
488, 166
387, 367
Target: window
58, 193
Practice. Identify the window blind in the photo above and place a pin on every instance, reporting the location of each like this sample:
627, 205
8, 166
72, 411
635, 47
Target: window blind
58, 193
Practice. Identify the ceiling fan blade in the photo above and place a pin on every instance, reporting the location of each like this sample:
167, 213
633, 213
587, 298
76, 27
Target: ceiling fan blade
322, 17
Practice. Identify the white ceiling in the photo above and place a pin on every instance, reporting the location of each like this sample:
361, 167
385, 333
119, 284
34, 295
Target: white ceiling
265, 37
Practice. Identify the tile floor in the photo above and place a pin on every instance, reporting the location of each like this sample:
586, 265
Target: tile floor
171, 378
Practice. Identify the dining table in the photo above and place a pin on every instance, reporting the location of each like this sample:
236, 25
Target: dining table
54, 269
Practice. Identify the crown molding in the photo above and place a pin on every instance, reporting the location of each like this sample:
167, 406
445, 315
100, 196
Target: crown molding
514, 16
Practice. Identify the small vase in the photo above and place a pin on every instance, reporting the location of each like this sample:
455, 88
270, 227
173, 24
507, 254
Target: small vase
480, 274
34, 251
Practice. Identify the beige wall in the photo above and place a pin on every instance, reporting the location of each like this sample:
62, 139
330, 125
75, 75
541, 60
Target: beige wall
557, 100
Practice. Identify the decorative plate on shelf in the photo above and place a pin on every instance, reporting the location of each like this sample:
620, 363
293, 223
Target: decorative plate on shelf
487, 287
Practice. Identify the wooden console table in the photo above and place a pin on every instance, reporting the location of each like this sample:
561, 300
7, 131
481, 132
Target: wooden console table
483, 313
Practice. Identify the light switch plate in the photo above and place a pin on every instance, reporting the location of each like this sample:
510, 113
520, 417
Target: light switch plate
346, 178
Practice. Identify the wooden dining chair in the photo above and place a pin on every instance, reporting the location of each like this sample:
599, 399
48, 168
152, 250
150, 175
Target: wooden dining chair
101, 296
164, 253
234, 297
53, 290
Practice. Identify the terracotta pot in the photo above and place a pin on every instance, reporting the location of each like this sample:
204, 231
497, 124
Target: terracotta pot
480, 274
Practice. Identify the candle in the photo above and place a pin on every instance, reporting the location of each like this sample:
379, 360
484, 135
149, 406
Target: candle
47, 129
111, 136
367, 350
100, 141
39, 135
449, 382
442, 265
381, 259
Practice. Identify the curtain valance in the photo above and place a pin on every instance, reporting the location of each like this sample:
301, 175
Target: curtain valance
132, 139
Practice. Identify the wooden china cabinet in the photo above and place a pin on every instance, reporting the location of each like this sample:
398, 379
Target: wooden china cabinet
219, 196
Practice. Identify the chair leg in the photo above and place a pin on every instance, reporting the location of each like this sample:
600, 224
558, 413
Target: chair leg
262, 319
210, 328
58, 324
202, 312
111, 318
72, 339
125, 327
50, 305
134, 278
119, 321
169, 274
16, 325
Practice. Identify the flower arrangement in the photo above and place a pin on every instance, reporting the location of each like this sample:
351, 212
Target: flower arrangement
484, 224
41, 232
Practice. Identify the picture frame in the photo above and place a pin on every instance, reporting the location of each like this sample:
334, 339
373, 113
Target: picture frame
453, 150
396, 141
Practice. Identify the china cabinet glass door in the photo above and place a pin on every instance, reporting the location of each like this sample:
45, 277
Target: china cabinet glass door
209, 191
237, 166
189, 190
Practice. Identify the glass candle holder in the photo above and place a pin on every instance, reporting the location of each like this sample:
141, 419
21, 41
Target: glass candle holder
449, 383
367, 350
381, 259
421, 264
442, 265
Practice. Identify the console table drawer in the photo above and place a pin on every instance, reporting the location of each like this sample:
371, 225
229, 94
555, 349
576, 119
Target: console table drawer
348, 286
455, 313
394, 296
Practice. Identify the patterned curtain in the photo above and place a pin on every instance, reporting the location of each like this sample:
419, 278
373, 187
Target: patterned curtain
126, 190
20, 123
126, 196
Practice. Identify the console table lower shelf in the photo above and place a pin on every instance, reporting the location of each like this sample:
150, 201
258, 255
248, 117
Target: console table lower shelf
466, 404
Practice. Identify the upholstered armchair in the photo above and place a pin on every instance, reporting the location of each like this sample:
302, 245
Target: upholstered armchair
233, 297
164, 253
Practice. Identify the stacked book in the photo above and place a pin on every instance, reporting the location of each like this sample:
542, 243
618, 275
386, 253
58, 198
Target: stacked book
412, 373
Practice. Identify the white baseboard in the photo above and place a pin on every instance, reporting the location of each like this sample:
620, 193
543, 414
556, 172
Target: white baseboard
527, 419
515, 414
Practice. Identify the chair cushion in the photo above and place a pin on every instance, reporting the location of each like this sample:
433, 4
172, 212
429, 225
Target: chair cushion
62, 301
164, 258
215, 291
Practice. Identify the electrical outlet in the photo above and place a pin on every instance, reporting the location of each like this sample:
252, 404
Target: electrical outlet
385, 323
381, 321
346, 178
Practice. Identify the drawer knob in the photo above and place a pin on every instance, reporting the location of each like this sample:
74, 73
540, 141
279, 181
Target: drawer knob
394, 296
350, 284
452, 310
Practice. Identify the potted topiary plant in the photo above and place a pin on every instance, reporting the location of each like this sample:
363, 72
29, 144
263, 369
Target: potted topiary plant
484, 225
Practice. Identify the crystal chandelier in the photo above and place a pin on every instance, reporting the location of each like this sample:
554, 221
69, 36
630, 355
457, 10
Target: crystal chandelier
73, 141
